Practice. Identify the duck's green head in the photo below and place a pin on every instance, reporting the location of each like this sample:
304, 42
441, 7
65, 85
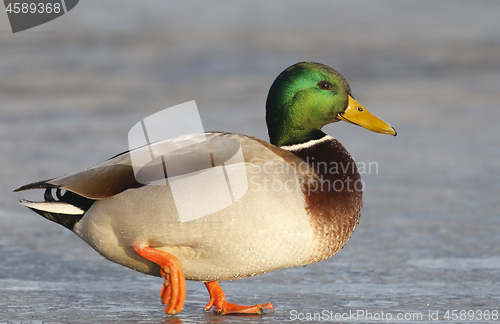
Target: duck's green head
307, 96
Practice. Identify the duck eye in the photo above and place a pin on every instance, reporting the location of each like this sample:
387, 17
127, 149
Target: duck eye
360, 109
325, 85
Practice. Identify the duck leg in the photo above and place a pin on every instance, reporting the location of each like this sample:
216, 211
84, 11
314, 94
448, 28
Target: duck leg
173, 292
221, 306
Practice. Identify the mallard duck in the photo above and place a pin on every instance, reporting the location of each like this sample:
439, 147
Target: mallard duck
301, 203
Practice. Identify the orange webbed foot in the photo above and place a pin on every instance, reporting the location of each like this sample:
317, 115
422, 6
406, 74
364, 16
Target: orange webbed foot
173, 292
222, 306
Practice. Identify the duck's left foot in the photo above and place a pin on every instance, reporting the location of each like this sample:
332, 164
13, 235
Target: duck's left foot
173, 292
222, 307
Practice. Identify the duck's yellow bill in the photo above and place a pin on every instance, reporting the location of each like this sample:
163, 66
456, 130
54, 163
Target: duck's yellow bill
356, 114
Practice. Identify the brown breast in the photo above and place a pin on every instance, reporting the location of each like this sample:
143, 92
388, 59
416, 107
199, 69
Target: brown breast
334, 198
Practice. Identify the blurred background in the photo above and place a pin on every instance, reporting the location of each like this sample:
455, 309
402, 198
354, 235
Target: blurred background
429, 234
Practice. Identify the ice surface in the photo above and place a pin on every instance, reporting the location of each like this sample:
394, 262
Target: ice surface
429, 235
